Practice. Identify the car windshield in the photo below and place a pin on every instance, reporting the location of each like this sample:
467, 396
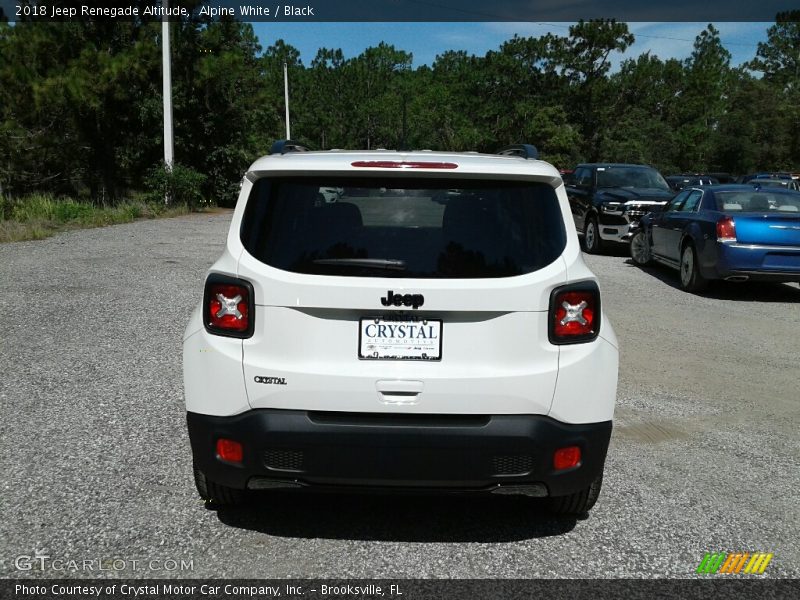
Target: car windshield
630, 177
403, 227
757, 201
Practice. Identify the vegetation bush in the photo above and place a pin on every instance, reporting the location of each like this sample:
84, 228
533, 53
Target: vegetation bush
38, 216
179, 185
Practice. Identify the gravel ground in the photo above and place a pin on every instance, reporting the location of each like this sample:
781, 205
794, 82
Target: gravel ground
96, 462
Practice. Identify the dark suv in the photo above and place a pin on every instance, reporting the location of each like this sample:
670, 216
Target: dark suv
608, 199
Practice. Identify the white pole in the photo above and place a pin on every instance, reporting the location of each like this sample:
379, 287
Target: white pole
166, 67
286, 99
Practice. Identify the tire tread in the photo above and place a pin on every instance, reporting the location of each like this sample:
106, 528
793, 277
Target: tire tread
599, 245
698, 283
579, 503
215, 493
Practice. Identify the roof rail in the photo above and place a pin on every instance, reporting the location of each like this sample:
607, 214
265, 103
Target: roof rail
284, 146
526, 151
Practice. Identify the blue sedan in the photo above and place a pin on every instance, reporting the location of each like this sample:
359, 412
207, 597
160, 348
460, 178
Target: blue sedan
730, 232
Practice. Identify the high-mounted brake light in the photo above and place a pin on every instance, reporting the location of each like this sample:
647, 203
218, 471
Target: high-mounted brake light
402, 164
228, 306
574, 313
726, 230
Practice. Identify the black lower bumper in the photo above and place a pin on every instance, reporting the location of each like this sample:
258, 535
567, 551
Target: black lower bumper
433, 452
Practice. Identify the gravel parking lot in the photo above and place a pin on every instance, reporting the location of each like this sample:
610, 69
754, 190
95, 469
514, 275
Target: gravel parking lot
96, 463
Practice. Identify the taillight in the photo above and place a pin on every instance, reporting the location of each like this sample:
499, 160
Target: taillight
228, 306
726, 230
574, 313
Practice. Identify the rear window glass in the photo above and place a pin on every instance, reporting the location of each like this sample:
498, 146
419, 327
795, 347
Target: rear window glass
377, 227
757, 201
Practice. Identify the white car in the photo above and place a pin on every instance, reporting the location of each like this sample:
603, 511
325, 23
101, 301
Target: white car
434, 328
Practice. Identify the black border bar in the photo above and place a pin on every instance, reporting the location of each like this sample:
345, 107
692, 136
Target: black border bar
403, 10
718, 587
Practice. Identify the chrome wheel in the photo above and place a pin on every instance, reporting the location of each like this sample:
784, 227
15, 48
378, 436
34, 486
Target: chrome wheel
640, 249
590, 236
590, 233
687, 267
692, 279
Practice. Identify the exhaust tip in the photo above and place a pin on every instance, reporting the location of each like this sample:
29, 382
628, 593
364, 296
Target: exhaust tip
737, 278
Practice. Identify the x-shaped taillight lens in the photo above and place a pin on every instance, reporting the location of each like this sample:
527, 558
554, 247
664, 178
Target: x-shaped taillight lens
227, 308
575, 313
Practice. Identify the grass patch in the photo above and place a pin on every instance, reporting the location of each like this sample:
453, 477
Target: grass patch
38, 216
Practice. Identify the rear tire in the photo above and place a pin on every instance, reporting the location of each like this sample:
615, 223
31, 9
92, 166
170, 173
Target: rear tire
691, 278
579, 503
215, 493
640, 249
591, 236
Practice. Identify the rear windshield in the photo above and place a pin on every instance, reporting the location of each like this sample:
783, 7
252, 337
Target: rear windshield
757, 201
377, 227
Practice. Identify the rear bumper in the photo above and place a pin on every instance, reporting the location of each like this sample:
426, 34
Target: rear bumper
757, 262
288, 448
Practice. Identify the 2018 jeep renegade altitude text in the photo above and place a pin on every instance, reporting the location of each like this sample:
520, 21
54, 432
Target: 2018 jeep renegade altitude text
431, 325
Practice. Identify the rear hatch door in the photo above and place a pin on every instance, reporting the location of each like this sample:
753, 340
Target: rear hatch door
417, 294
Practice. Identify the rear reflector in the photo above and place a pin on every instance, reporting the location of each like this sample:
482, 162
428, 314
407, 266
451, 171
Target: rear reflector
574, 313
228, 306
229, 451
726, 230
566, 458
398, 164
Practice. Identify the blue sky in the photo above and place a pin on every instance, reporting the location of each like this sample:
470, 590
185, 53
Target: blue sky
426, 40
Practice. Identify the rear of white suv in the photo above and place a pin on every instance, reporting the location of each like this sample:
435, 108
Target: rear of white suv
430, 326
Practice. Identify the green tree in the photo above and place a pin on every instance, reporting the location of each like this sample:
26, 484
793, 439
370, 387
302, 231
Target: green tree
217, 93
646, 95
778, 60
584, 59
328, 103
375, 77
779, 57
755, 135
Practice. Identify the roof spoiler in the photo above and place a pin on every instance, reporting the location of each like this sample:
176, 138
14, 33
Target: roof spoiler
526, 151
284, 146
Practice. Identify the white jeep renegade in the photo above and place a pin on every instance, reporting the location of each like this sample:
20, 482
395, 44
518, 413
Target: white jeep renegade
430, 326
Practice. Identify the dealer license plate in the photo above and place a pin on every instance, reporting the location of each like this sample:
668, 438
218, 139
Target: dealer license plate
400, 339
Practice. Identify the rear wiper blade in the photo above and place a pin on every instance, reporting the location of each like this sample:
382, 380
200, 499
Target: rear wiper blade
374, 263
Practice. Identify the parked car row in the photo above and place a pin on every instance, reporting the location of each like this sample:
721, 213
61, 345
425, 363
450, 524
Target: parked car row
730, 232
682, 180
708, 231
